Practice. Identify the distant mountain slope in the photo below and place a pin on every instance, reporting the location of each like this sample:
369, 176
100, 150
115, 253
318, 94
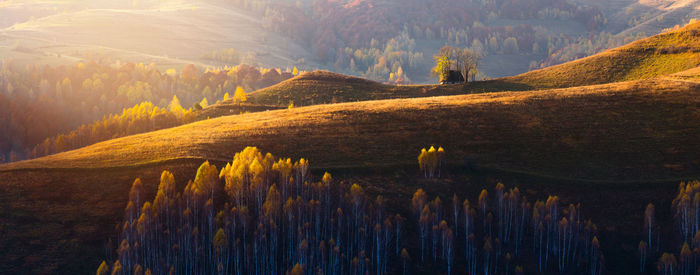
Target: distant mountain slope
168, 33
658, 55
650, 16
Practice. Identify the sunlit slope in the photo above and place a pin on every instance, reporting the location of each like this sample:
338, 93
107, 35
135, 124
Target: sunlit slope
169, 33
319, 87
228, 107
639, 130
658, 55
691, 74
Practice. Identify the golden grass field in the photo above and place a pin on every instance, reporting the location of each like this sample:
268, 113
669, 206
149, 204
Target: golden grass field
609, 127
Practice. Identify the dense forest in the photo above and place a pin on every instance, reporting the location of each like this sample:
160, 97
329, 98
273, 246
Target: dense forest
47, 109
263, 215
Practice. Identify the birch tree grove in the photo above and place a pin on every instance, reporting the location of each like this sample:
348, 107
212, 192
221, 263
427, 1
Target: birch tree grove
493, 234
258, 215
685, 209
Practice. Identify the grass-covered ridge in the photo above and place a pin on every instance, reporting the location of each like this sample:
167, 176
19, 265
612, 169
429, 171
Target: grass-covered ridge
598, 132
662, 54
322, 87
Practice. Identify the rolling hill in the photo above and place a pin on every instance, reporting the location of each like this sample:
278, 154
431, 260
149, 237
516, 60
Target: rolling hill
662, 54
323, 87
570, 125
57, 211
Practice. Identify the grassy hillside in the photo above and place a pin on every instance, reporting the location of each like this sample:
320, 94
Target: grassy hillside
692, 74
56, 212
662, 54
228, 107
599, 132
320, 87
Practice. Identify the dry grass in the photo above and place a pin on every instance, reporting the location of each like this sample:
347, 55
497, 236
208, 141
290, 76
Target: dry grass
594, 132
692, 74
228, 108
658, 55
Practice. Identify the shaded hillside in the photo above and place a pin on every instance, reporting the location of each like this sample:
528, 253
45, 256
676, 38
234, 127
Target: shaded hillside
598, 132
661, 54
320, 87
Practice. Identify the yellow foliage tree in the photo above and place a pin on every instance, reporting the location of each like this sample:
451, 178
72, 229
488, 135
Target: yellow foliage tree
103, 269
240, 95
430, 161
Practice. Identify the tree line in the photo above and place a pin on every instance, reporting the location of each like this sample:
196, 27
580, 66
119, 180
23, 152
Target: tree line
61, 99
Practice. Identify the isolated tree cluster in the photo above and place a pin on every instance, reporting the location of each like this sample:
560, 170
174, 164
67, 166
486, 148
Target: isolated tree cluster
463, 60
257, 215
430, 161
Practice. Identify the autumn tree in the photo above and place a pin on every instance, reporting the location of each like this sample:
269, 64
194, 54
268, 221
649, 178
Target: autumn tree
642, 249
443, 63
189, 72
649, 224
405, 258
430, 161
239, 95
103, 269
